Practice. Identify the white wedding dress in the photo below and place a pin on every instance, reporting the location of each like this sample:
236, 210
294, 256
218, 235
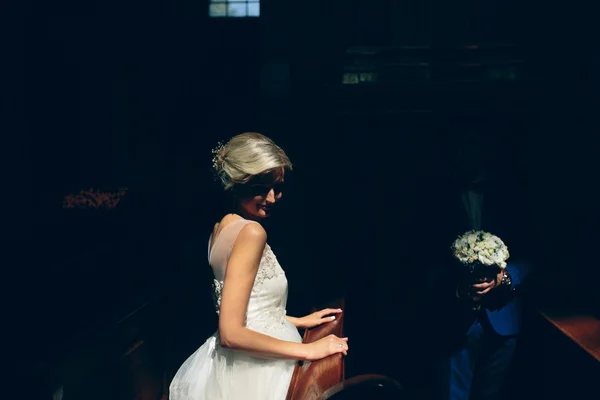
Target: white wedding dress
217, 373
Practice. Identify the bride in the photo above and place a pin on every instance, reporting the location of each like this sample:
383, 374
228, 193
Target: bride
253, 353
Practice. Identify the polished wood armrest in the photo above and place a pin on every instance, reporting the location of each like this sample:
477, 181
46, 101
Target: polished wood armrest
311, 379
324, 379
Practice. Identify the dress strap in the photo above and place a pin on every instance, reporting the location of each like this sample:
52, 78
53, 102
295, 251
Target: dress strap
223, 243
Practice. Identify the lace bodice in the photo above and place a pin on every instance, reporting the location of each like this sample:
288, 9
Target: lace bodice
266, 306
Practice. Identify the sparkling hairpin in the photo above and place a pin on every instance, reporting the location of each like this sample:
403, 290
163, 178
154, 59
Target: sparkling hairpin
215, 153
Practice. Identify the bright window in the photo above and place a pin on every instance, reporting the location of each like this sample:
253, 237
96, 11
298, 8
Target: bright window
234, 8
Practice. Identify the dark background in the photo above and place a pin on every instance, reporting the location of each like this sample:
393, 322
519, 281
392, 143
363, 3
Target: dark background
135, 94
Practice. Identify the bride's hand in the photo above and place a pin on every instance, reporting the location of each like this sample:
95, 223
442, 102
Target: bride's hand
327, 346
319, 317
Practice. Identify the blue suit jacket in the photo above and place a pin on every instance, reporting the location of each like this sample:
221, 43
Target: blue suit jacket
506, 320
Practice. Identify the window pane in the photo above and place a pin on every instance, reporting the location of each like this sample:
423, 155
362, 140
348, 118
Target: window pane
236, 10
218, 1
218, 10
253, 9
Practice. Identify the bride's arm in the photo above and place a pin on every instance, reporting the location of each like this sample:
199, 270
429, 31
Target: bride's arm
239, 278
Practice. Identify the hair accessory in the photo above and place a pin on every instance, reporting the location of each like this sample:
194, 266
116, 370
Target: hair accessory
215, 152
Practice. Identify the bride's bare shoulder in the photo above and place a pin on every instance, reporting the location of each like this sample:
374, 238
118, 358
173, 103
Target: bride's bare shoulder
226, 220
229, 218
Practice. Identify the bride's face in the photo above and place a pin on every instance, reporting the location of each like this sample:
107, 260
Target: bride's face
258, 197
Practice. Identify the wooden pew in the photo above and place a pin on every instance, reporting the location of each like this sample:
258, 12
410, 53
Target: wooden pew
559, 357
324, 379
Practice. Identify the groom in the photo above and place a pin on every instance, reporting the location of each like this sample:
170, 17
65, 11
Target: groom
474, 349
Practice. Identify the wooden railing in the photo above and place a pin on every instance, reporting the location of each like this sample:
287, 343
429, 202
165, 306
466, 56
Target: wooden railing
325, 378
581, 327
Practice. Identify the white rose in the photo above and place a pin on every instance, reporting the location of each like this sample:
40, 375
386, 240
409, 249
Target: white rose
485, 259
490, 244
498, 259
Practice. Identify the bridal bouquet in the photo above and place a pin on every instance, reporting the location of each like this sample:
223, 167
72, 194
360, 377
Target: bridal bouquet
481, 255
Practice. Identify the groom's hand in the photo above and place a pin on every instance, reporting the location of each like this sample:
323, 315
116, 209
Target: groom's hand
483, 288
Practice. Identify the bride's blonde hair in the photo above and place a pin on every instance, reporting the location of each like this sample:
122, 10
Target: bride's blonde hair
245, 156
